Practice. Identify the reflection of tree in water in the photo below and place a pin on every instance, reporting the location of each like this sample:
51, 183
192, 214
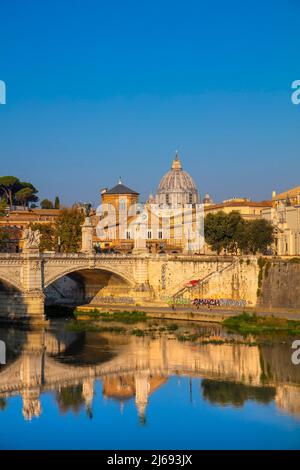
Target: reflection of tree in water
3, 404
236, 394
70, 399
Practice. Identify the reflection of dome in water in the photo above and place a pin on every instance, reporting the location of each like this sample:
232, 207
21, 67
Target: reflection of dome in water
177, 187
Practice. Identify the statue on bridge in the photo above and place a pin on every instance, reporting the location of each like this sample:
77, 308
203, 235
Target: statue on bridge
32, 238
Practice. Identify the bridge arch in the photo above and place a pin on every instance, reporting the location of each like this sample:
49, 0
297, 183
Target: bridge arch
11, 283
76, 269
83, 284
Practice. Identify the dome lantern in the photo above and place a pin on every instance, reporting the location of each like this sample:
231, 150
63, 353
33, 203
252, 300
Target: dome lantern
176, 165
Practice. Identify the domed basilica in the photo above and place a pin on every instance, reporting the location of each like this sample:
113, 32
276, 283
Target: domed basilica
176, 187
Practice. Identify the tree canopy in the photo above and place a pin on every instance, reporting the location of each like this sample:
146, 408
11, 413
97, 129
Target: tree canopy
68, 229
64, 234
46, 204
232, 234
14, 191
47, 242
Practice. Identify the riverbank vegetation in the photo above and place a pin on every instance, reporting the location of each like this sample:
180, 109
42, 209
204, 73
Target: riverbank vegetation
130, 317
253, 324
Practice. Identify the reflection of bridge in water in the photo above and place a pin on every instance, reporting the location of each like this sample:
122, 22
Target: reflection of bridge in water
129, 366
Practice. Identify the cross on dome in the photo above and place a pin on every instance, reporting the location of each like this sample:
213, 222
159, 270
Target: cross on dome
176, 165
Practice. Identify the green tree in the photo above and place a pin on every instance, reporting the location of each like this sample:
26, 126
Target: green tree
46, 204
235, 227
25, 195
68, 229
215, 230
231, 233
260, 236
16, 191
8, 186
2, 206
242, 237
47, 242
28, 193
223, 231
57, 203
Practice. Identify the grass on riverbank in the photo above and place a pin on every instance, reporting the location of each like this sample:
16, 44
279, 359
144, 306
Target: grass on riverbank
128, 317
253, 324
88, 326
96, 325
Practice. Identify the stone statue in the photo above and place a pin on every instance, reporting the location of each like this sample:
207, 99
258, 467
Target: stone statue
87, 209
31, 238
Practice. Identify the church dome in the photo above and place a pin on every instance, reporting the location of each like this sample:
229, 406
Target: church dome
177, 187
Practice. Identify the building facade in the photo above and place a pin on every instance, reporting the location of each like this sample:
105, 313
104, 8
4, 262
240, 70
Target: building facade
285, 217
290, 197
249, 210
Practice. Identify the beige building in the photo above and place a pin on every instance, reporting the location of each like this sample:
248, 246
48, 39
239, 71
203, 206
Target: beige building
289, 198
248, 209
21, 219
286, 220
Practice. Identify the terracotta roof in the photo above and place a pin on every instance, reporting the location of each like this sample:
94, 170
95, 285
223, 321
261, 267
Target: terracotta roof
239, 204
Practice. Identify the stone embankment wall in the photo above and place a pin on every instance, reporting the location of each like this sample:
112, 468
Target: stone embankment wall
279, 283
220, 277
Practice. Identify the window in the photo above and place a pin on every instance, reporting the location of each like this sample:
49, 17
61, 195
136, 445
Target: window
190, 198
167, 198
160, 234
128, 235
122, 204
149, 235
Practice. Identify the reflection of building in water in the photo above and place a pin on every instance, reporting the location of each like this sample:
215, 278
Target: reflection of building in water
133, 368
288, 399
88, 392
31, 373
31, 403
141, 385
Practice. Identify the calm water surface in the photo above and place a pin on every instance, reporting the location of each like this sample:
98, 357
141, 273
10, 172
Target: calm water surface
190, 387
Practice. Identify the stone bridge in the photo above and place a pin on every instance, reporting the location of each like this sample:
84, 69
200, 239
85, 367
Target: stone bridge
29, 279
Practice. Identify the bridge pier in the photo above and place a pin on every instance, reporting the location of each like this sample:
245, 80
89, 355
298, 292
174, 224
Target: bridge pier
33, 298
34, 306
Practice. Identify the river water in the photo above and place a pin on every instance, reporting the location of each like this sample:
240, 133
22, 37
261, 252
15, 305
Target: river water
159, 386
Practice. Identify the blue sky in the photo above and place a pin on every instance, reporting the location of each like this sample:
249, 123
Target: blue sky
97, 89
